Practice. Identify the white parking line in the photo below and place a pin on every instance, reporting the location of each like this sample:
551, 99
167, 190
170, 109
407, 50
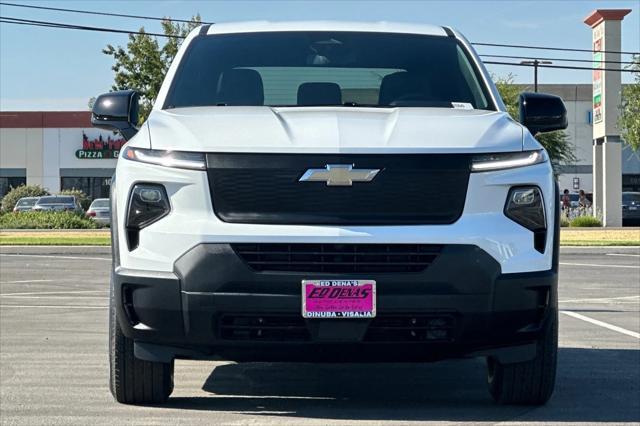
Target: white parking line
600, 266
623, 254
601, 299
56, 306
39, 293
602, 324
25, 281
51, 256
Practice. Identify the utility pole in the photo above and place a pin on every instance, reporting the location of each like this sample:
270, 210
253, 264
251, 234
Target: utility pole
535, 64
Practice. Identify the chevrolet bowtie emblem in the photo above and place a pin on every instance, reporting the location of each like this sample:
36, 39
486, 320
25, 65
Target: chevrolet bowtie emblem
339, 175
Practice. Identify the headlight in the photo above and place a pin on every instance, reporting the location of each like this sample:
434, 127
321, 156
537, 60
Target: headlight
507, 160
148, 203
177, 159
525, 206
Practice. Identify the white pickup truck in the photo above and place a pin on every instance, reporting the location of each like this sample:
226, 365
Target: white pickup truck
327, 191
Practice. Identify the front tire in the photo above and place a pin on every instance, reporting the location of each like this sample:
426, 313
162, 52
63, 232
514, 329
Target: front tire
531, 382
132, 380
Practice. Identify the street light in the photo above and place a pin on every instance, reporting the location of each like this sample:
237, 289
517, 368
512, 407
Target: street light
535, 64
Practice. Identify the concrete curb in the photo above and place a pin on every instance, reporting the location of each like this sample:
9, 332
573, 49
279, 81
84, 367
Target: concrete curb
59, 250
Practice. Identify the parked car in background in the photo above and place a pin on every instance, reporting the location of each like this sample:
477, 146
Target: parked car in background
630, 208
25, 204
58, 203
100, 211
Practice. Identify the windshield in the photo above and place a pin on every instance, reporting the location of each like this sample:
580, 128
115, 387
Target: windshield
631, 198
26, 202
55, 200
327, 69
102, 203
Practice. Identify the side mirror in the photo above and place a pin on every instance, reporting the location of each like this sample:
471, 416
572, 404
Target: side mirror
541, 113
117, 111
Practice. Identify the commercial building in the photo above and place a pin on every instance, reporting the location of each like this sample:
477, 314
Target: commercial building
578, 99
60, 150
57, 150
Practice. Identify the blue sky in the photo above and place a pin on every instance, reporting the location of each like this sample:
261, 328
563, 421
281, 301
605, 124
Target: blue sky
54, 69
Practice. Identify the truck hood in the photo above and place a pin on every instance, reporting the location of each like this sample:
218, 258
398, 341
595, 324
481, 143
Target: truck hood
333, 130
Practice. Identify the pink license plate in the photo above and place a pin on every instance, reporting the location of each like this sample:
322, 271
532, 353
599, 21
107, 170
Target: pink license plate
338, 298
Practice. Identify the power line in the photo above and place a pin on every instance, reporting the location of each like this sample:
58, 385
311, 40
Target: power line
10, 20
556, 59
564, 67
562, 49
156, 18
31, 22
90, 12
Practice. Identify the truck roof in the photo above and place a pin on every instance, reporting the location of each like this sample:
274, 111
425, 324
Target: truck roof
378, 27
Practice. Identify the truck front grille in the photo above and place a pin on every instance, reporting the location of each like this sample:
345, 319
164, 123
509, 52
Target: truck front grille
415, 189
337, 258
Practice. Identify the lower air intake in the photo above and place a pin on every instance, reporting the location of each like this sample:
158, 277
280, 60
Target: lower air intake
338, 258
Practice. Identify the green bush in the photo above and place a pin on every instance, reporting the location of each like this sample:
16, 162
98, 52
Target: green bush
585, 221
46, 220
11, 198
85, 202
564, 222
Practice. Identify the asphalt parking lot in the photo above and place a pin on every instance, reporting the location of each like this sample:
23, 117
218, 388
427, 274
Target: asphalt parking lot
53, 356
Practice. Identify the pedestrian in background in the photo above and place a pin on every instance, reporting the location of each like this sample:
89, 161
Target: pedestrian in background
566, 202
583, 201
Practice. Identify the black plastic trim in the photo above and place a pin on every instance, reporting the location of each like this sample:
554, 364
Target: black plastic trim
204, 29
555, 260
177, 313
425, 189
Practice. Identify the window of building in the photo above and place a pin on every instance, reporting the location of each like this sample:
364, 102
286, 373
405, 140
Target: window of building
6, 183
631, 182
94, 187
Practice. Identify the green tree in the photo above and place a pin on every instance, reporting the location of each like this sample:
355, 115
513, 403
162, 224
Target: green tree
556, 143
629, 120
143, 63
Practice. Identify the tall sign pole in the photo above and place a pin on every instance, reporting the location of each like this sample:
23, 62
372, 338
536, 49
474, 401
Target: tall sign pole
607, 84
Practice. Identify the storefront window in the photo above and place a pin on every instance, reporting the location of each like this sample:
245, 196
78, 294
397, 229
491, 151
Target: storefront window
94, 187
631, 183
6, 183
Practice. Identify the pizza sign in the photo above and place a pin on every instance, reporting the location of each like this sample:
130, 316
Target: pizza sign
100, 148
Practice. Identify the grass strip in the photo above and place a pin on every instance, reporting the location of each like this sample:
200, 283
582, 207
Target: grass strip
45, 238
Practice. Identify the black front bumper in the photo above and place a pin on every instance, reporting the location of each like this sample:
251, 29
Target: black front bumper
215, 306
